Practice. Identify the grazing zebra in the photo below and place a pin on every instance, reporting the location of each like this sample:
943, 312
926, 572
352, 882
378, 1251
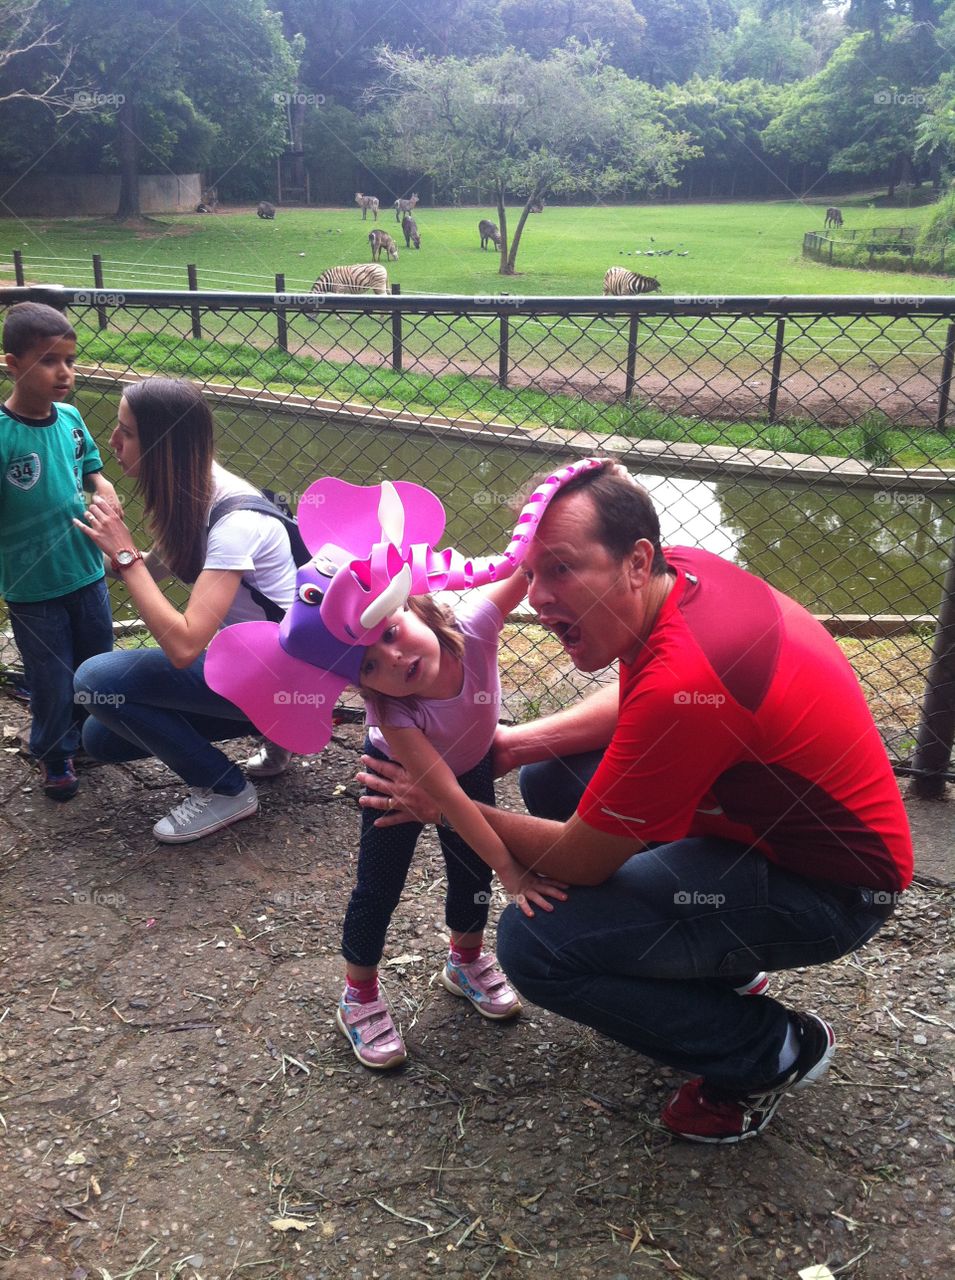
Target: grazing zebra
620, 282
405, 206
488, 231
381, 242
363, 277
265, 210
365, 203
410, 229
833, 216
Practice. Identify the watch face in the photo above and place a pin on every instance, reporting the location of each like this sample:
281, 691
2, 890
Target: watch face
125, 558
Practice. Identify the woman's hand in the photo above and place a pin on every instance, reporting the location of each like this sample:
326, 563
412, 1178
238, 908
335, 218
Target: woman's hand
398, 798
527, 887
105, 526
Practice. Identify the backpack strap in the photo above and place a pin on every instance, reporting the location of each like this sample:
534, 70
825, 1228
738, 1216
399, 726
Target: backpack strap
261, 504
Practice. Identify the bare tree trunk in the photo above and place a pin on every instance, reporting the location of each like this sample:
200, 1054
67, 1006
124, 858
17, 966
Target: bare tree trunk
505, 269
525, 214
128, 149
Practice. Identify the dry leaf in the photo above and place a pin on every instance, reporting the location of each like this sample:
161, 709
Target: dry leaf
290, 1224
75, 1158
509, 1242
407, 958
531, 1199
819, 1271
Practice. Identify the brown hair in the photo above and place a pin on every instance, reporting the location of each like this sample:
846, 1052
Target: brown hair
623, 510
175, 475
29, 323
440, 619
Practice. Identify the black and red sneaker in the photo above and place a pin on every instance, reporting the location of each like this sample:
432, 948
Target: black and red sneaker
702, 1113
59, 781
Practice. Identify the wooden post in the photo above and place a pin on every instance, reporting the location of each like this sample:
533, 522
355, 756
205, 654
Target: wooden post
18, 267
777, 365
945, 386
631, 356
502, 359
936, 731
280, 313
98, 282
194, 286
396, 334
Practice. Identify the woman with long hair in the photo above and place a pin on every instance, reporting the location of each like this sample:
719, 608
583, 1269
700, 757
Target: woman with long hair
155, 702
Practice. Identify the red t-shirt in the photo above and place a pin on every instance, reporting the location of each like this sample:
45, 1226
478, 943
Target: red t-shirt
741, 718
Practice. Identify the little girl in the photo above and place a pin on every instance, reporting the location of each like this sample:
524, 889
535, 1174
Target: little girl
432, 697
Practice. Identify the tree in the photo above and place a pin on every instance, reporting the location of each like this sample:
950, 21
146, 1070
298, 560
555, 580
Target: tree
513, 125
539, 26
185, 71
29, 34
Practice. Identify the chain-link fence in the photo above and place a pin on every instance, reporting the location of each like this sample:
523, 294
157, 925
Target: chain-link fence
811, 440
877, 249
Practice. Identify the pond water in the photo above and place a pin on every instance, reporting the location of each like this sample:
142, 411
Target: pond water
834, 548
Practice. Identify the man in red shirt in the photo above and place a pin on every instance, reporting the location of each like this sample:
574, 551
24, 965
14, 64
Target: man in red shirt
729, 809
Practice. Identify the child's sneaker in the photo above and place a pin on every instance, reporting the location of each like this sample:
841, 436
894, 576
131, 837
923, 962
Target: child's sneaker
59, 782
483, 983
269, 761
704, 1114
755, 987
371, 1032
203, 812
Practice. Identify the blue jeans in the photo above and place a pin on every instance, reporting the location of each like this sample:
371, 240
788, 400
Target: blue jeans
54, 637
140, 705
650, 957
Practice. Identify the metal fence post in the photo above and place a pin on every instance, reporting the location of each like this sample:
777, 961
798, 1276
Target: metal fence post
777, 365
631, 356
396, 333
18, 267
945, 386
194, 287
936, 732
280, 312
502, 360
98, 282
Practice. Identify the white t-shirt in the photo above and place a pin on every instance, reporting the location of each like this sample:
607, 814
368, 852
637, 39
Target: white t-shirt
258, 545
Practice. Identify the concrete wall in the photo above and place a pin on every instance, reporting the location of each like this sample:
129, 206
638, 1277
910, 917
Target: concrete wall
85, 195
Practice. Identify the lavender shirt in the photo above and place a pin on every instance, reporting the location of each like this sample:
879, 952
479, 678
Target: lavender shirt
461, 728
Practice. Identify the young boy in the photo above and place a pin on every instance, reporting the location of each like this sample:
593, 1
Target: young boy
51, 576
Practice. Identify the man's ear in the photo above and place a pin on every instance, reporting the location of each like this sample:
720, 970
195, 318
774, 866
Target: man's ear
12, 362
640, 563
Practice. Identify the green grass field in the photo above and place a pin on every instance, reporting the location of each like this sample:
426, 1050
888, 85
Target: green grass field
731, 249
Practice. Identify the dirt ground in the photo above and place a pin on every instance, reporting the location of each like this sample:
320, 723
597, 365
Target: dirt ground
175, 1100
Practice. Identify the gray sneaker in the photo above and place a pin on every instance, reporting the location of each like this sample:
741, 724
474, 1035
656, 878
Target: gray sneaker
269, 761
202, 812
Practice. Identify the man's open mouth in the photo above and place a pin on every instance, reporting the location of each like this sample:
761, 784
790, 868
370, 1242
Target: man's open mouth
568, 633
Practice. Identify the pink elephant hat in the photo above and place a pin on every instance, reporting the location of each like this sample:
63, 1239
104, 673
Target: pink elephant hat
372, 547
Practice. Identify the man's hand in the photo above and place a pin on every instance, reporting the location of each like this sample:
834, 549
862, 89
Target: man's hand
502, 756
395, 795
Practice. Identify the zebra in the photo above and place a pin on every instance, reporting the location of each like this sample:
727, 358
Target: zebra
381, 242
363, 277
410, 229
833, 216
488, 231
265, 210
620, 282
365, 203
405, 206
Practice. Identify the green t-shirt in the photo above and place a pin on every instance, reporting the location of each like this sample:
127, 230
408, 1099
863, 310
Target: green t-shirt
42, 554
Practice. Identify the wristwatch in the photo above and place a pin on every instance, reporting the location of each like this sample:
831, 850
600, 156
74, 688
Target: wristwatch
123, 559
